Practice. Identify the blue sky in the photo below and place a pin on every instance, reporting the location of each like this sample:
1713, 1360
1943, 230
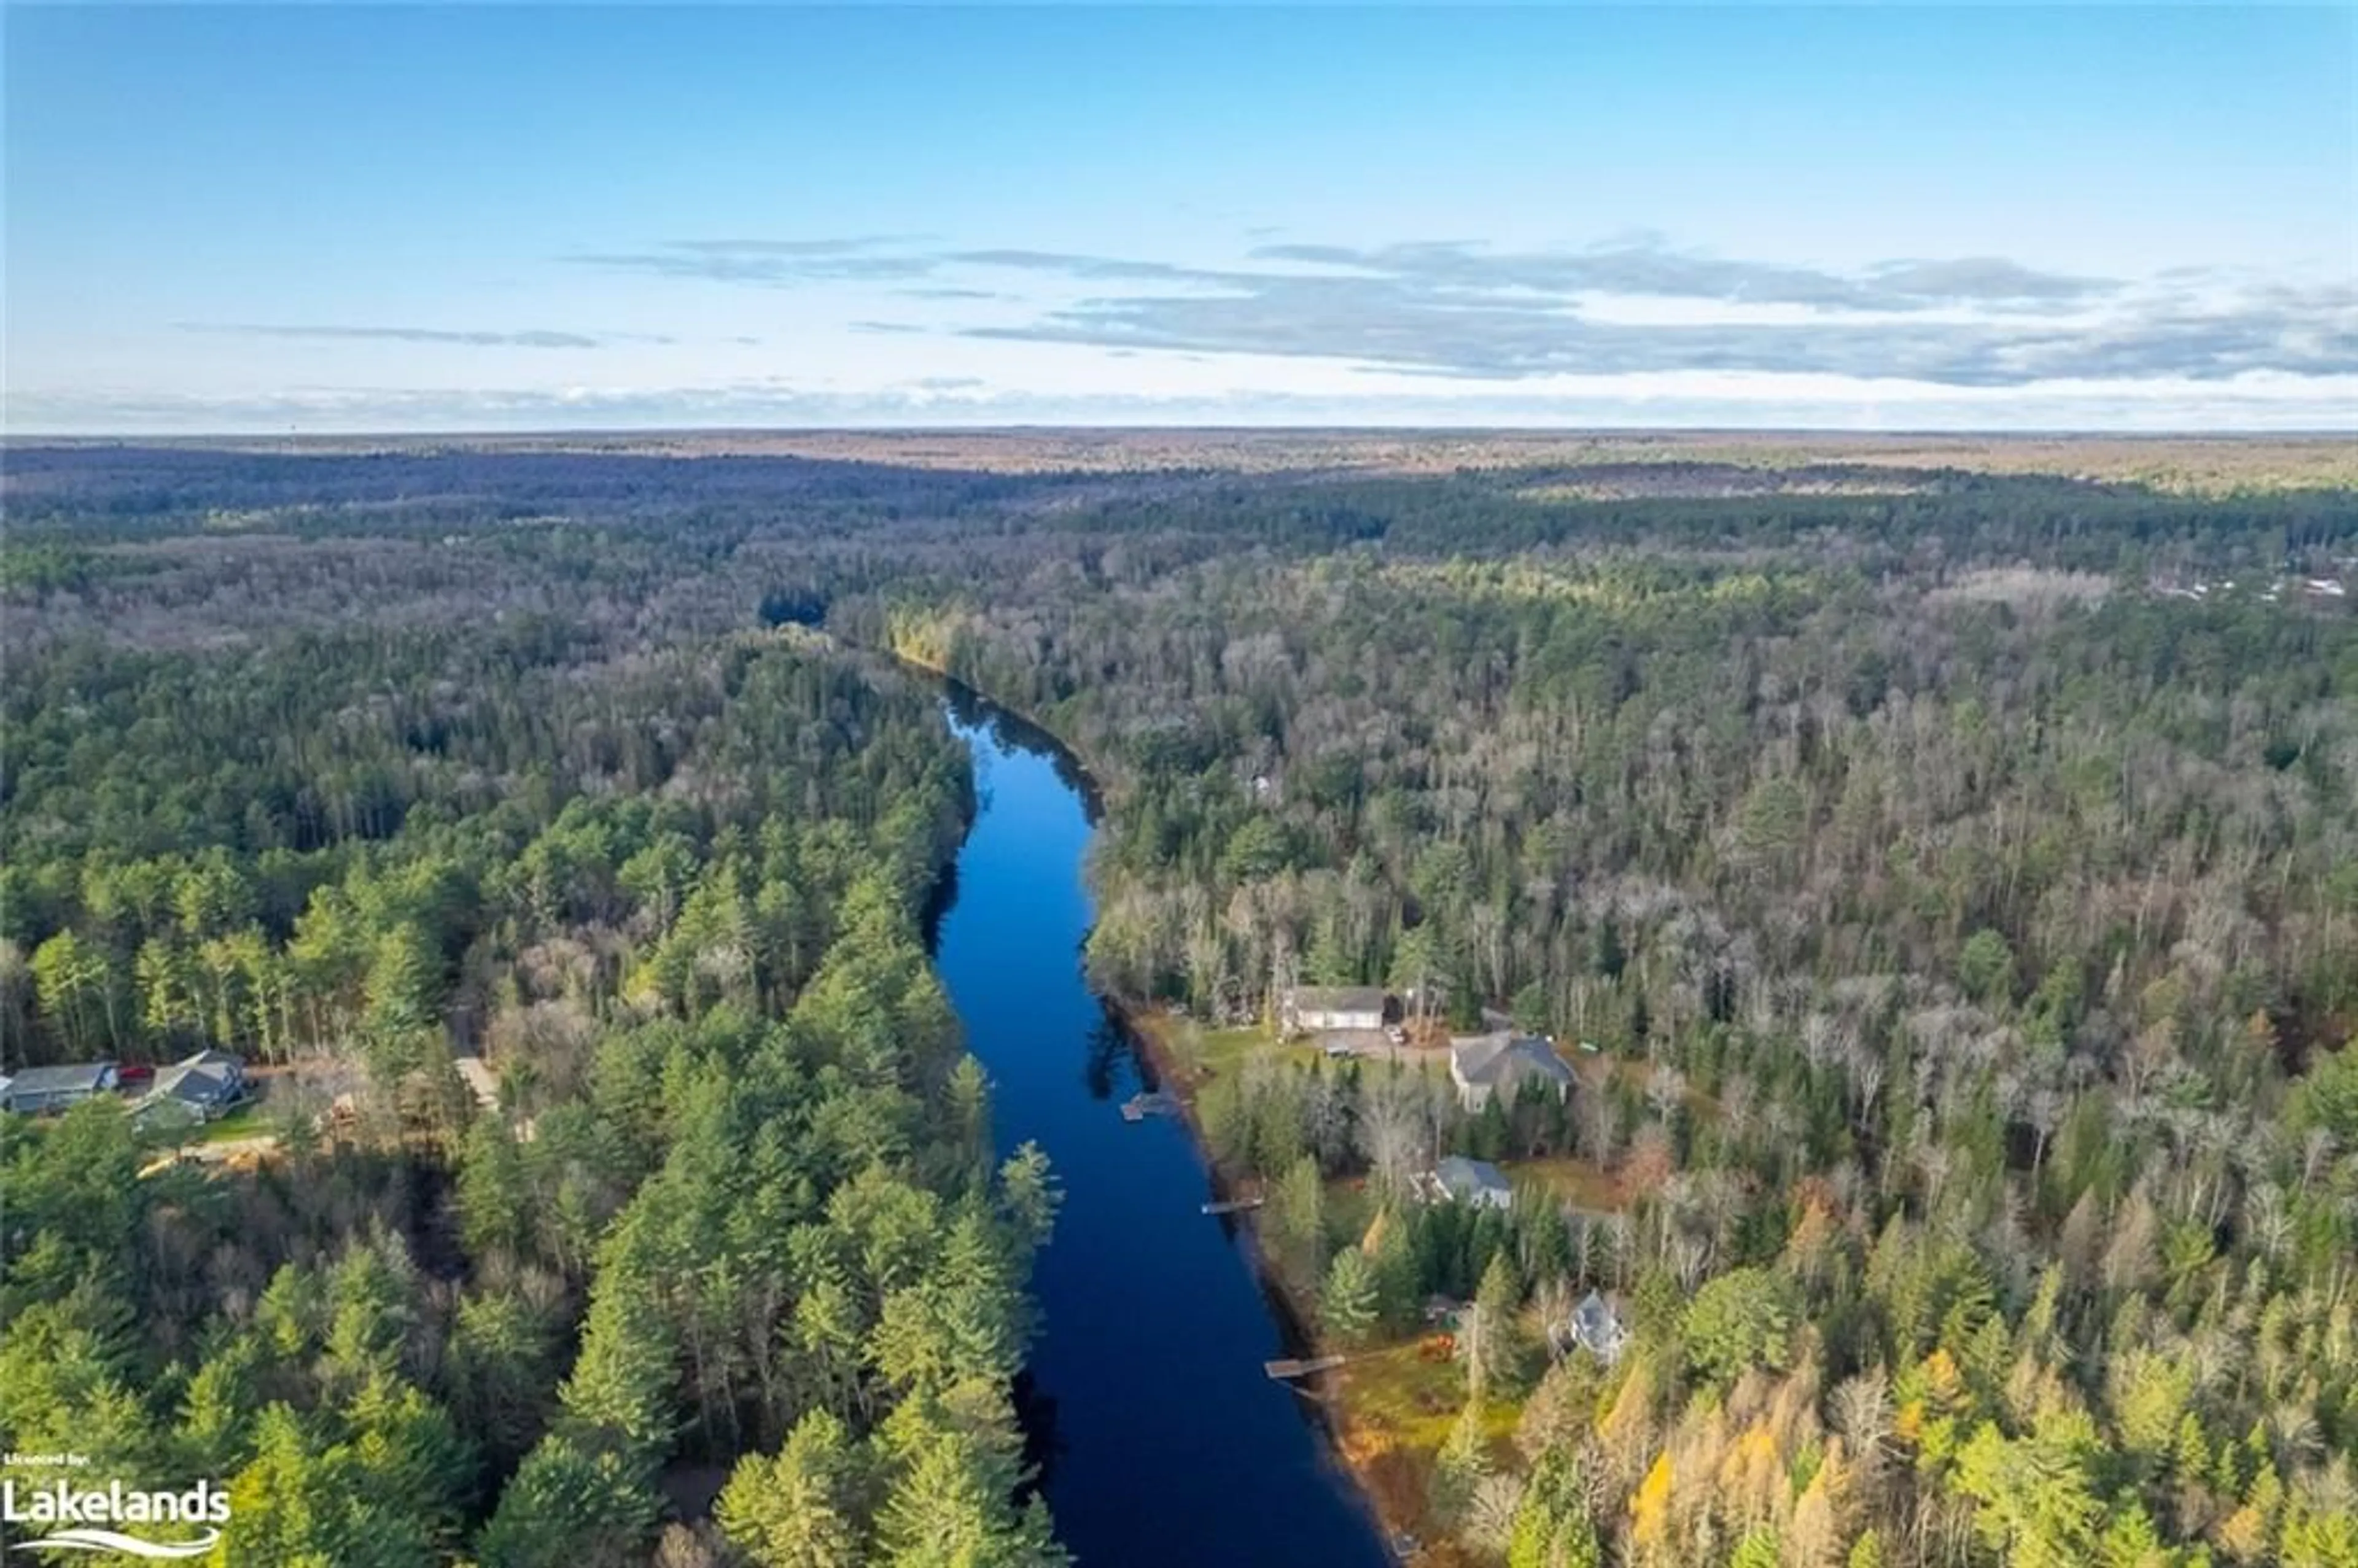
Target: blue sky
480, 217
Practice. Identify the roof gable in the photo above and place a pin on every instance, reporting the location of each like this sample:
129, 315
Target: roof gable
1339, 999
205, 1076
1460, 1175
1503, 1058
88, 1077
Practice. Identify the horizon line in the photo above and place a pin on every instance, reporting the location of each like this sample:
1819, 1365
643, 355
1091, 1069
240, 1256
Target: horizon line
1021, 429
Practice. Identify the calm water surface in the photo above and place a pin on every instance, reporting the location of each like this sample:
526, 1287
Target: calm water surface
1166, 1444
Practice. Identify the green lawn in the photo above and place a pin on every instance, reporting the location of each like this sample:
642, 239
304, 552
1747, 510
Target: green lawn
1217, 1050
1414, 1400
247, 1120
1198, 1052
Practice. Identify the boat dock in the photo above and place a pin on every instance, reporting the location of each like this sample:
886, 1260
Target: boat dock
1139, 1106
1232, 1205
1287, 1369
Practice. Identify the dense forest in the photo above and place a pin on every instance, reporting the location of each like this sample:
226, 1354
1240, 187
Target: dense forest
734, 1214
1962, 890
1955, 868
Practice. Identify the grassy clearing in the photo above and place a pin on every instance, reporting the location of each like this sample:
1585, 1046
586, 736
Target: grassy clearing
247, 1120
1194, 1052
1221, 1049
1394, 1409
1582, 1183
1407, 1396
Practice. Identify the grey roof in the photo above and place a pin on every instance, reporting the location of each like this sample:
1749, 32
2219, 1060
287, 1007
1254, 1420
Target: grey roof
202, 1079
1504, 1058
1339, 999
78, 1077
1596, 1324
196, 1081
1461, 1176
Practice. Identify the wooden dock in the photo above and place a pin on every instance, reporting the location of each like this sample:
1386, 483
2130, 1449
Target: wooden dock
1138, 1107
1232, 1205
1288, 1369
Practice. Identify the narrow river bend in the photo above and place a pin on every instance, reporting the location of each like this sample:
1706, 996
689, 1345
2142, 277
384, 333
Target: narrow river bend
1167, 1446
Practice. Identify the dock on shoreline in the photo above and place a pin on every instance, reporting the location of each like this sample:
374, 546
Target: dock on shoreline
1139, 1106
1289, 1368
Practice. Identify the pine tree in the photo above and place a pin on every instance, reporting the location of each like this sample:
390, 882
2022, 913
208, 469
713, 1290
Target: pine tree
801, 1509
1347, 1307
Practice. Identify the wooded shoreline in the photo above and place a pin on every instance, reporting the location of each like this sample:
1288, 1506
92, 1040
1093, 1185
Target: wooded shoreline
1137, 1020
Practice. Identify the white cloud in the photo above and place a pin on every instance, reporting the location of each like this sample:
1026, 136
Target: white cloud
880, 331
1220, 395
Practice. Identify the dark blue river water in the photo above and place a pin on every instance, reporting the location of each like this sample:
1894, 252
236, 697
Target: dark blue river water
1166, 1447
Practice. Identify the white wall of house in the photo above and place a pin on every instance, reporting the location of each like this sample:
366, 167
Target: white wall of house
1315, 1018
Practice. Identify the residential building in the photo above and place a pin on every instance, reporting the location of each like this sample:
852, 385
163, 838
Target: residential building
1597, 1328
1482, 1066
37, 1090
1308, 1010
195, 1088
1476, 1182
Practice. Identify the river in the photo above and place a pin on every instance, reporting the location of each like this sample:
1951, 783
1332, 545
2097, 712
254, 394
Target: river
1165, 1445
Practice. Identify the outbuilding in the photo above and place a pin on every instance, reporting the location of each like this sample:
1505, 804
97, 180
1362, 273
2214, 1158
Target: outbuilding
1309, 1009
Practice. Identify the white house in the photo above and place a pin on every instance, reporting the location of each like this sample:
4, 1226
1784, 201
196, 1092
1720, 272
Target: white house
1306, 1009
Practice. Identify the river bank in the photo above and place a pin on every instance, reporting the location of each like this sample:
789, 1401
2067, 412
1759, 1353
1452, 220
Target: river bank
1365, 1415
1161, 1441
1389, 1409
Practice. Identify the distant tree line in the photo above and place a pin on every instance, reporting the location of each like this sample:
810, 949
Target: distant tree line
1970, 933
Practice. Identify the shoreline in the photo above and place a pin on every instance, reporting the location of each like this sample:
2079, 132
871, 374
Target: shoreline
1326, 1394
1143, 1026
